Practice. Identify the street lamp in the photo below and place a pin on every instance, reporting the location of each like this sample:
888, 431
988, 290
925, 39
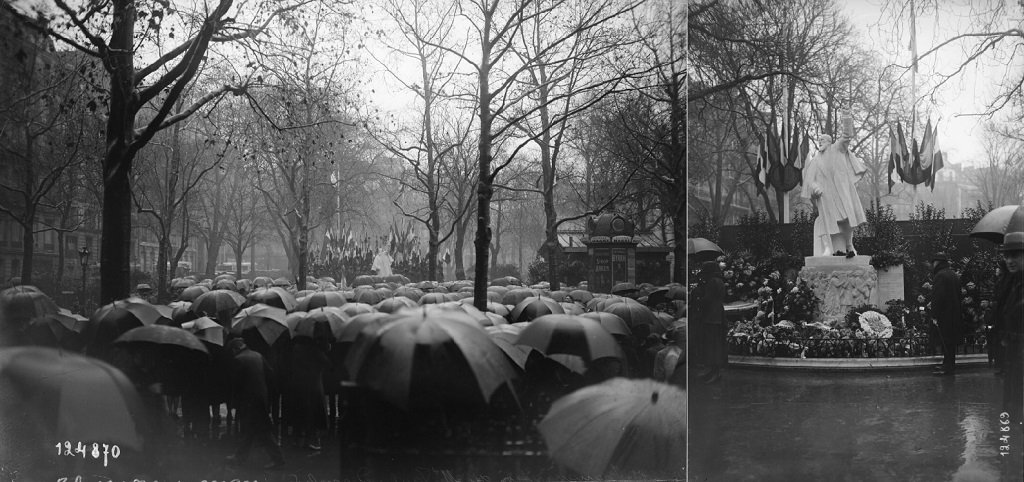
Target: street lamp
83, 257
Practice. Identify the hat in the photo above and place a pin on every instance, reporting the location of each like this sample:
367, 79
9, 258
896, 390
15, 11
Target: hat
940, 256
142, 287
1012, 242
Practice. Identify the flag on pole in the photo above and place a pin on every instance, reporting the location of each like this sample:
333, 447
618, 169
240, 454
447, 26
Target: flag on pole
927, 146
762, 163
937, 157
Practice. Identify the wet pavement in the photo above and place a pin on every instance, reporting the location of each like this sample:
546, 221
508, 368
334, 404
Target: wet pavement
768, 425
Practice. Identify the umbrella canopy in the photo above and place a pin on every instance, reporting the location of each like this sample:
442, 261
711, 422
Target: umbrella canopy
392, 305
263, 282
429, 357
998, 222
530, 308
702, 250
623, 289
58, 330
206, 330
610, 322
321, 322
51, 395
582, 296
369, 296
163, 335
225, 284
181, 283
192, 292
514, 296
225, 276
267, 320
501, 290
355, 308
217, 301
433, 298
477, 315
632, 312
492, 306
619, 424
19, 304
572, 335
273, 296
282, 282
507, 281
506, 340
358, 323
123, 315
320, 299
598, 304
409, 292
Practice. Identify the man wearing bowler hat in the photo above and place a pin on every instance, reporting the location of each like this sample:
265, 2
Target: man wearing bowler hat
945, 306
1009, 311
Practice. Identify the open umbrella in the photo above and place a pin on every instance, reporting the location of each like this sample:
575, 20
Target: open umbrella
506, 340
267, 320
181, 283
192, 292
572, 335
369, 296
19, 304
632, 312
572, 308
355, 308
624, 289
59, 330
263, 282
477, 315
582, 296
320, 299
163, 335
358, 323
514, 296
598, 304
206, 330
217, 301
273, 296
282, 282
433, 298
409, 292
530, 308
225, 284
48, 395
429, 357
702, 250
619, 424
610, 322
501, 290
394, 304
998, 222
321, 322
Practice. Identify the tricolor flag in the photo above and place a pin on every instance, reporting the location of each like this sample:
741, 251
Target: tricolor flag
763, 165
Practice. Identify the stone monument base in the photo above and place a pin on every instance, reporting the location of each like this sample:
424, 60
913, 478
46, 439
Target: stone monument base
840, 283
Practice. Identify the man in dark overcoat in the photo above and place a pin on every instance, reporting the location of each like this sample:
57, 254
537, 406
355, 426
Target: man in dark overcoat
1009, 311
945, 310
252, 374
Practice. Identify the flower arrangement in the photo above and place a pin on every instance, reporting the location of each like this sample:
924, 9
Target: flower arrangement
799, 302
743, 276
875, 325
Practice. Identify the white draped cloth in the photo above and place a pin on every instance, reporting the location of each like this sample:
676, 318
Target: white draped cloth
834, 174
382, 264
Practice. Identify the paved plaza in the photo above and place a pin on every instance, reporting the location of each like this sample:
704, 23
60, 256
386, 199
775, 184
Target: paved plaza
787, 425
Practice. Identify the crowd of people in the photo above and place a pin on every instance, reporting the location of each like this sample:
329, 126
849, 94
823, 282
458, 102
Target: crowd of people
290, 390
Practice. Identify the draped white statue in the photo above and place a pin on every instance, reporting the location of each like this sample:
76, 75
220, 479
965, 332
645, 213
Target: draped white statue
382, 263
830, 179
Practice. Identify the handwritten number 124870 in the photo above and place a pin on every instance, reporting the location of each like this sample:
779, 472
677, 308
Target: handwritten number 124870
96, 450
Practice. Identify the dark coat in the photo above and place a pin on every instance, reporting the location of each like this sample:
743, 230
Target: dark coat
304, 388
946, 302
1010, 315
252, 377
709, 296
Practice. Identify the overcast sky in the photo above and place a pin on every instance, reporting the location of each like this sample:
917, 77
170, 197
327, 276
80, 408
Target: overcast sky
884, 26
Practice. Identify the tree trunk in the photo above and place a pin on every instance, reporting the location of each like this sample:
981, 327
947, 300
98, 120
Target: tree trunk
115, 251
496, 239
213, 242
485, 188
162, 266
460, 246
239, 252
433, 245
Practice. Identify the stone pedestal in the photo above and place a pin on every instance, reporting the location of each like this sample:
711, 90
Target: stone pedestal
890, 285
840, 283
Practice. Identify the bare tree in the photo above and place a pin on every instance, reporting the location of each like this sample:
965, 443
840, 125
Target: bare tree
43, 138
161, 82
1001, 176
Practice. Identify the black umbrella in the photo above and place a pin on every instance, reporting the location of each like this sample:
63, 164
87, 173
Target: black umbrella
998, 222
534, 307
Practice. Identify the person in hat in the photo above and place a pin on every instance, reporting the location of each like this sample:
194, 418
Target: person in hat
945, 310
708, 307
1009, 312
830, 182
144, 291
252, 375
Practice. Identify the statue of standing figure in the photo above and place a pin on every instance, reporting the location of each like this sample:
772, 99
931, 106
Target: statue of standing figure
830, 182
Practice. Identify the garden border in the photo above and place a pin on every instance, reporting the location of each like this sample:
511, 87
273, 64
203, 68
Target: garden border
841, 364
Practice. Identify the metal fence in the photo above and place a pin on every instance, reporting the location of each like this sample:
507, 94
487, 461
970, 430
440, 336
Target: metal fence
791, 347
